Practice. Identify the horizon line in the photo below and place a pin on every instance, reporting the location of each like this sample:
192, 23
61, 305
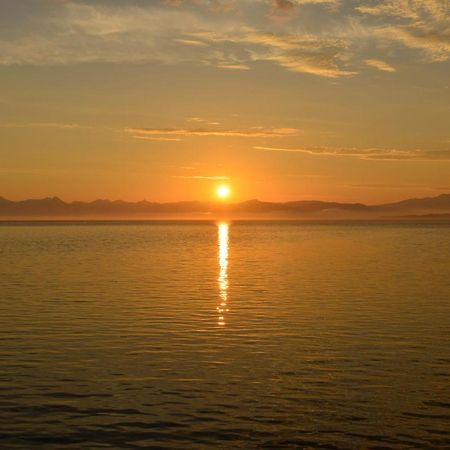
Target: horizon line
224, 202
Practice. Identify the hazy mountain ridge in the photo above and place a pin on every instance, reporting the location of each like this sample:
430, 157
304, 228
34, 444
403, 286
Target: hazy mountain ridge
54, 207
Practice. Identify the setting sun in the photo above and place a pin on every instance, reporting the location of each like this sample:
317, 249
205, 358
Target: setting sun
223, 191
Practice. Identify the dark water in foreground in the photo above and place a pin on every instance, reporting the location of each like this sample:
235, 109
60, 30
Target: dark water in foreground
225, 336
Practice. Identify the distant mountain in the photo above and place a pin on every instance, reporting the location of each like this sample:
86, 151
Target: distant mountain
55, 208
441, 202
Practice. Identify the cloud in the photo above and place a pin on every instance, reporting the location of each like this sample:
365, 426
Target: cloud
396, 186
368, 154
201, 177
80, 32
65, 126
202, 132
200, 120
315, 64
435, 43
399, 8
317, 2
62, 126
284, 4
155, 138
304, 53
380, 65
192, 42
313, 56
415, 10
289, 5
326, 38
419, 24
233, 66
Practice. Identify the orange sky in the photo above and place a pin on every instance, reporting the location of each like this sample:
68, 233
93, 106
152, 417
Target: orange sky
164, 100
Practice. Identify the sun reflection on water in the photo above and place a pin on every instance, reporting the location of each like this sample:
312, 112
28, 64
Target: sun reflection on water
223, 229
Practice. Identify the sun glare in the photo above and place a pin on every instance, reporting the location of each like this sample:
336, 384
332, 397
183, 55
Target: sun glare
223, 191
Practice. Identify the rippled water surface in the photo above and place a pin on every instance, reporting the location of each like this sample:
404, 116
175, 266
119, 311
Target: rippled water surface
242, 335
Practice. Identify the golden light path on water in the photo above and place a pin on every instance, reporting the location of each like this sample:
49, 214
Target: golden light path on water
223, 232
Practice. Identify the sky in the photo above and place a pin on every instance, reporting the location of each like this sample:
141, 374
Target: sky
344, 100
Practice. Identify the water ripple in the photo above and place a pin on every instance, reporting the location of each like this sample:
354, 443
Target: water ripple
240, 335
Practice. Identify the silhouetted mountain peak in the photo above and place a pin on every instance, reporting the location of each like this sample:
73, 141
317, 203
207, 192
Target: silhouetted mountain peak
55, 200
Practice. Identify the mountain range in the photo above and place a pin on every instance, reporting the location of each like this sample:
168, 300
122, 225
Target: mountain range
55, 208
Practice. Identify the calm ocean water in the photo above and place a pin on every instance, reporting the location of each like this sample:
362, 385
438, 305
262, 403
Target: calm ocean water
241, 335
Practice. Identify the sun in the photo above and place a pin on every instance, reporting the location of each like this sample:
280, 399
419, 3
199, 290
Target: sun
223, 191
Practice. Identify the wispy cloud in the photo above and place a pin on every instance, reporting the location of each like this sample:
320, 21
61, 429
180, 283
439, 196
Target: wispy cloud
435, 43
380, 65
203, 121
62, 126
416, 10
199, 132
316, 2
288, 5
192, 42
157, 138
418, 24
232, 66
202, 177
318, 38
397, 186
368, 153
296, 52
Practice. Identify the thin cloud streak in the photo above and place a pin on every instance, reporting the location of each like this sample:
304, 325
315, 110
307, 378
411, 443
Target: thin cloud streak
158, 139
368, 154
266, 133
192, 42
380, 65
396, 186
62, 126
202, 177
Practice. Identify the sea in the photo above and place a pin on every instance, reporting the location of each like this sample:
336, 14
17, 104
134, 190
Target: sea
224, 335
